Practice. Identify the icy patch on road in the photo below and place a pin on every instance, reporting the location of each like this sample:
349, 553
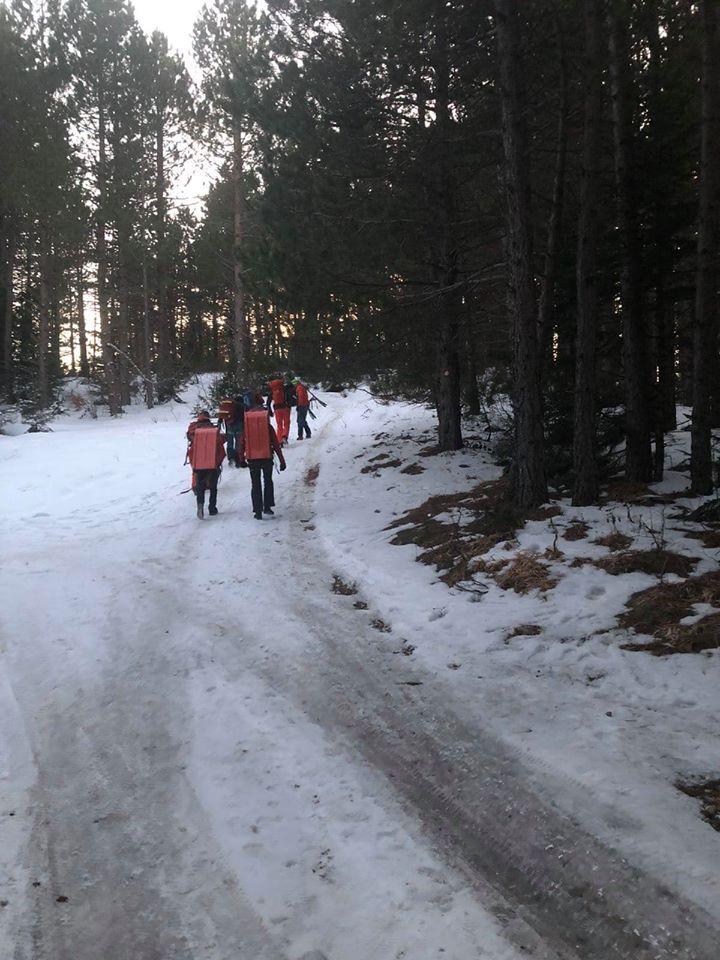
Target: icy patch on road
323, 851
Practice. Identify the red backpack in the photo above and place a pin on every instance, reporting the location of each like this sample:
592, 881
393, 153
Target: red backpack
257, 435
206, 452
277, 392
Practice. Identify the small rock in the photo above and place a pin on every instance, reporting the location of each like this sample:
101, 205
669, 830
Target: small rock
609, 713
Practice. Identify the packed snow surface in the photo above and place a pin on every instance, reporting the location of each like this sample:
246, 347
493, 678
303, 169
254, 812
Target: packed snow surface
205, 752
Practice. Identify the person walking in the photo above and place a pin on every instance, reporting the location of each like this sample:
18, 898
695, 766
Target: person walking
259, 443
303, 408
206, 452
281, 402
233, 429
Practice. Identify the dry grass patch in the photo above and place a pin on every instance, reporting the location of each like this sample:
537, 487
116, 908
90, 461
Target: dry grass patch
626, 492
524, 630
311, 475
708, 538
576, 530
708, 793
343, 588
658, 611
454, 549
614, 541
657, 563
380, 625
374, 467
524, 573
413, 469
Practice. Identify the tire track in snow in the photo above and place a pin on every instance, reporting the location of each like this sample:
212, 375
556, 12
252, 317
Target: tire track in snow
117, 828
470, 790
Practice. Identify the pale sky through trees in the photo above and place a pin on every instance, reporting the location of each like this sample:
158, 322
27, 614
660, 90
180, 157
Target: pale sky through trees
175, 18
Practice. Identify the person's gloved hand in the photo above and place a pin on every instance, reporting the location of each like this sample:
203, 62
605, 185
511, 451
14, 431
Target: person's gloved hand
242, 463
283, 466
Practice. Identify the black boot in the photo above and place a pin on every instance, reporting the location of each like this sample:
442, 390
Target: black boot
258, 516
200, 510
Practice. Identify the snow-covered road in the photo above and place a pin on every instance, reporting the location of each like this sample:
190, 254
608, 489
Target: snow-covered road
204, 753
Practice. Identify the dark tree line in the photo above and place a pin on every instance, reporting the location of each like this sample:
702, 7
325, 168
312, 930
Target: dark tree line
449, 195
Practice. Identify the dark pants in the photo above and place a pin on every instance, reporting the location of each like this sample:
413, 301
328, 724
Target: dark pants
263, 491
207, 480
302, 424
233, 432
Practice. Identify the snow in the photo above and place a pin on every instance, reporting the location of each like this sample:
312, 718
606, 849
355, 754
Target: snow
174, 721
103, 582
617, 728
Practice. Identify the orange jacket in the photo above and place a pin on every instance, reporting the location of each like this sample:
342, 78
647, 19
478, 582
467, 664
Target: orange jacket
303, 398
277, 393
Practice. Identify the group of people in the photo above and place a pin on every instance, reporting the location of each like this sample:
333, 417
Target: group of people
243, 424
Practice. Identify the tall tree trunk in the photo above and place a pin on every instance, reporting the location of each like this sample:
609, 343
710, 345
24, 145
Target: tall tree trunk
147, 339
241, 331
472, 394
121, 333
638, 461
215, 336
529, 480
108, 352
7, 303
664, 331
162, 318
447, 380
82, 332
55, 320
586, 484
43, 338
705, 334
554, 228
71, 338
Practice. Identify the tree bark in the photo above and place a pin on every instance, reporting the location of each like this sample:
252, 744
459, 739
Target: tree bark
108, 353
82, 332
7, 304
147, 339
585, 470
705, 333
162, 319
447, 378
664, 332
241, 331
552, 249
529, 480
638, 461
43, 337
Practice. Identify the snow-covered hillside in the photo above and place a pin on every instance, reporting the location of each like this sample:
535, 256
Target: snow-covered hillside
230, 739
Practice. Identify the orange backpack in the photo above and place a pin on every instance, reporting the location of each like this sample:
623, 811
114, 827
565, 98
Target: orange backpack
277, 392
205, 452
257, 435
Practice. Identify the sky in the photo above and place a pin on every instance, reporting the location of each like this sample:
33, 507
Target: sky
175, 18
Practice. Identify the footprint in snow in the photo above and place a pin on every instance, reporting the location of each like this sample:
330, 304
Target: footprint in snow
438, 613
